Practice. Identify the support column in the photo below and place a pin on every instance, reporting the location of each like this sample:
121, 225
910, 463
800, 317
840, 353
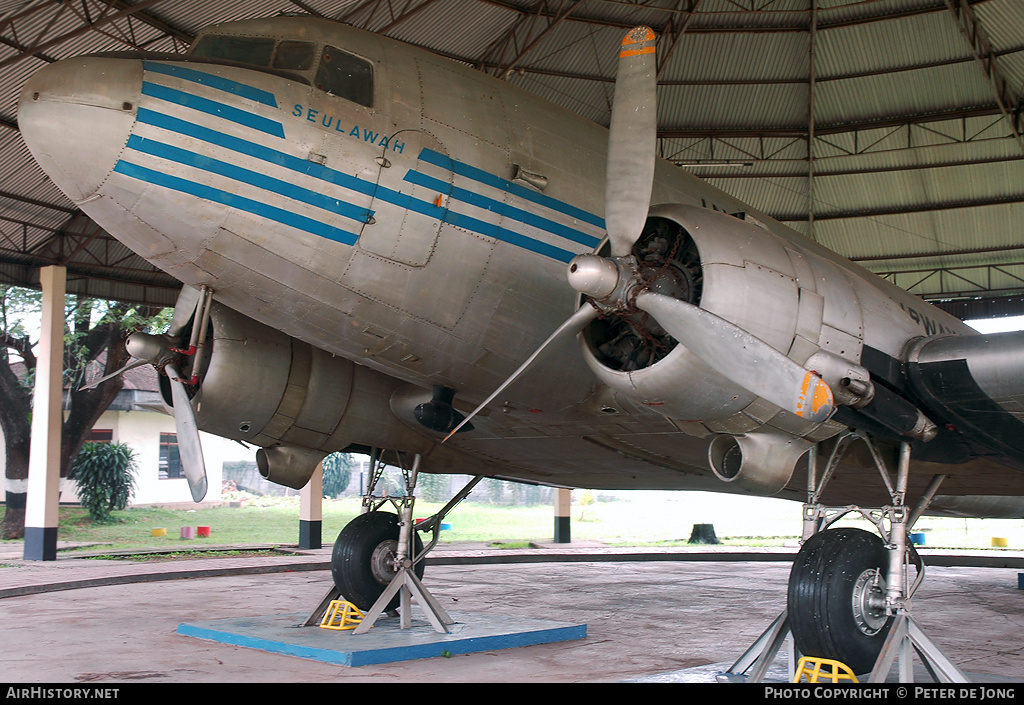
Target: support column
311, 510
41, 517
563, 507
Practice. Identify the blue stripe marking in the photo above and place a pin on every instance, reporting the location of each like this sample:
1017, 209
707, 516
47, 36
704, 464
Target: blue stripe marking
212, 107
503, 209
207, 79
367, 188
278, 215
262, 181
483, 177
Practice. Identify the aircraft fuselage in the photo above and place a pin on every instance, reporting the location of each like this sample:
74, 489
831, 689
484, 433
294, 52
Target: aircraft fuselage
416, 217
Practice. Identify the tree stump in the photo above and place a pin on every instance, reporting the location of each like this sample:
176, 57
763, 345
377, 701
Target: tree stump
703, 533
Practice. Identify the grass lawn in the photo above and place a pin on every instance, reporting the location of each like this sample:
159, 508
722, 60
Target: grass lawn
618, 519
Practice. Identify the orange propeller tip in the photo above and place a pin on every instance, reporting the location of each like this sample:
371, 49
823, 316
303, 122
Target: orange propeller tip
638, 41
638, 34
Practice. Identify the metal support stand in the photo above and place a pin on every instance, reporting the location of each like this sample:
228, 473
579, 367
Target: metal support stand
903, 635
759, 657
405, 583
405, 580
894, 524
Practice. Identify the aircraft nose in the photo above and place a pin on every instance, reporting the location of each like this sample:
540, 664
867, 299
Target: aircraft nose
75, 116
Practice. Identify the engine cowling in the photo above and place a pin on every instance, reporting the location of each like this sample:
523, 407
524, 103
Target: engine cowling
297, 402
743, 273
725, 265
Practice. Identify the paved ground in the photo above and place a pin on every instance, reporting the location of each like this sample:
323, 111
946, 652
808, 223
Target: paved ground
87, 621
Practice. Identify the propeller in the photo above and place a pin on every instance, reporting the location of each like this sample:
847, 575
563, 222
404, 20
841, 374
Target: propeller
742, 358
614, 285
565, 332
632, 142
189, 447
163, 352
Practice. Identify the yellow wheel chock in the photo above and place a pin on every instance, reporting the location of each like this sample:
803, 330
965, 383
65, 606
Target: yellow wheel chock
810, 666
341, 615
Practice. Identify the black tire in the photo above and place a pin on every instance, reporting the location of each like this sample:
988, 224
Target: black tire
829, 586
359, 561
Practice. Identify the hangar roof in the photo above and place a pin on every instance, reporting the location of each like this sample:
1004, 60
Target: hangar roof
888, 130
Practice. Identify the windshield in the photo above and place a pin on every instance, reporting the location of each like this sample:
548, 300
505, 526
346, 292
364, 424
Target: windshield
246, 50
339, 73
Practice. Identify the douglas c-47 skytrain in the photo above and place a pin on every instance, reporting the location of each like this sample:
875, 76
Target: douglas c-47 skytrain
385, 251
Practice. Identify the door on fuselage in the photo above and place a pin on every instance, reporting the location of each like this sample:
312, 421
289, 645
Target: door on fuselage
410, 204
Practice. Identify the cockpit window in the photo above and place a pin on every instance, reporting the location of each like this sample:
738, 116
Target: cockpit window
346, 76
295, 56
255, 51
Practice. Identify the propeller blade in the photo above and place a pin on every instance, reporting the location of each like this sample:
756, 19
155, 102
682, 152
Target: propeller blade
569, 329
188, 436
184, 309
632, 141
130, 366
739, 356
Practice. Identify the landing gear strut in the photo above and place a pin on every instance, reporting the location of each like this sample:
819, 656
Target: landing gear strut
377, 562
849, 595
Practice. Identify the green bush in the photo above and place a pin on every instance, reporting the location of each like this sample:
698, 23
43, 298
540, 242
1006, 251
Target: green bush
105, 476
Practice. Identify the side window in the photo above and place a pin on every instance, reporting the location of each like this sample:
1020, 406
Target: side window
346, 76
295, 56
169, 467
247, 50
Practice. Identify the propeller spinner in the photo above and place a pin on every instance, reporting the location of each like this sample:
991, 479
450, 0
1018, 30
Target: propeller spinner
164, 352
614, 286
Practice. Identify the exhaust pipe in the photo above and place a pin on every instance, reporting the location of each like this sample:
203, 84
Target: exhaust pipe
761, 462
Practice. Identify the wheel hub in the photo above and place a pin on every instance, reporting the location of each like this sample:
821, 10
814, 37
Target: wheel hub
869, 602
382, 562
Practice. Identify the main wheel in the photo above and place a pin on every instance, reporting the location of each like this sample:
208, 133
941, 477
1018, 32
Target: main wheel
362, 561
836, 599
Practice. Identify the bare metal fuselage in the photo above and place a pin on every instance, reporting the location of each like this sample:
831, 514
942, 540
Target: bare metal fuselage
426, 237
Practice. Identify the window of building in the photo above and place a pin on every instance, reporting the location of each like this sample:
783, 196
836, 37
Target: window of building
100, 435
346, 76
170, 459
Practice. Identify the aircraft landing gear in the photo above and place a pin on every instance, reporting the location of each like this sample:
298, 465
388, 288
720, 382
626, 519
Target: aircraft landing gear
836, 597
365, 555
849, 595
377, 561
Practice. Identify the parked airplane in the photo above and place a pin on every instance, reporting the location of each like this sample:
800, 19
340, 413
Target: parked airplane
366, 231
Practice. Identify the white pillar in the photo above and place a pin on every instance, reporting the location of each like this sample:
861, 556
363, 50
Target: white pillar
47, 417
563, 507
311, 510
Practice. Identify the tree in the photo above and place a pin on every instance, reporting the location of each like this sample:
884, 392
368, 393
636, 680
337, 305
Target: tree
337, 473
92, 327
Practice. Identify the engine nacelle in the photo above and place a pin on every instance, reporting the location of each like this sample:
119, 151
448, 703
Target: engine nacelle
733, 268
297, 402
761, 462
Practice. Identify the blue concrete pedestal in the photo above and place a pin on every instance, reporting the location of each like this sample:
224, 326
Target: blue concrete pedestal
386, 642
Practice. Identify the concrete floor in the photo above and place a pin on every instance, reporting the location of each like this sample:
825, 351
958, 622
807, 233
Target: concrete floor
644, 619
